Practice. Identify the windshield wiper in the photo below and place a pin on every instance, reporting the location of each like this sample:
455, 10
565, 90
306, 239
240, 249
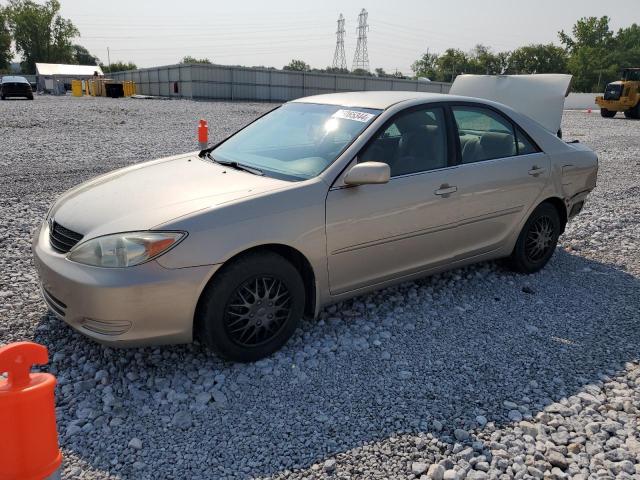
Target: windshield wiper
236, 165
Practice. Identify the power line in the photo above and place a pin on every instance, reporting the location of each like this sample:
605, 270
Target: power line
339, 58
361, 58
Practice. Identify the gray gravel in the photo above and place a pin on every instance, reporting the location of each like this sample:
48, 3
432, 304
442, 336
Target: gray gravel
477, 373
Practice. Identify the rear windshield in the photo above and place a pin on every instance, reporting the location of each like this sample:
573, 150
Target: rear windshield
298, 140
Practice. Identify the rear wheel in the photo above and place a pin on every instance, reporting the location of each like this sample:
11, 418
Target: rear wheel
251, 308
633, 112
607, 113
537, 240
3, 97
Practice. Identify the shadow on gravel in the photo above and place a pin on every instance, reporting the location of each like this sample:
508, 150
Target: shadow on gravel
447, 348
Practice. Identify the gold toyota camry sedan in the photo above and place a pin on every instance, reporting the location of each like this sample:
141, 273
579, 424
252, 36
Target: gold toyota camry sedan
321, 199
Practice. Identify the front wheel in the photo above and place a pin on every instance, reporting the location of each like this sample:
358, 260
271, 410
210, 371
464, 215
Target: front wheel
537, 240
607, 113
251, 308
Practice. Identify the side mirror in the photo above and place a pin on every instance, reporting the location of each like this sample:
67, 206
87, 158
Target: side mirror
368, 173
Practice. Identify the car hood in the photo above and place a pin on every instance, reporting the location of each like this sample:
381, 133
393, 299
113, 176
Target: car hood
148, 194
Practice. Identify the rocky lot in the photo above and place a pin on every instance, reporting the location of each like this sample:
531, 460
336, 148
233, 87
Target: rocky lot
477, 373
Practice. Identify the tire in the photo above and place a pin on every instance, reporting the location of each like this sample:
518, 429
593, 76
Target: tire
30, 97
537, 240
3, 97
607, 113
633, 112
231, 318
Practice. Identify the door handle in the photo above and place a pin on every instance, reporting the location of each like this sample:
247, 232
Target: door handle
446, 190
535, 171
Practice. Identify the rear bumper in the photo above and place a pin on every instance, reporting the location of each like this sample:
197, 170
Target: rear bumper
142, 305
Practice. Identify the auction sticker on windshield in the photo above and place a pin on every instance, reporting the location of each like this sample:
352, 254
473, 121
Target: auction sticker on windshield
353, 115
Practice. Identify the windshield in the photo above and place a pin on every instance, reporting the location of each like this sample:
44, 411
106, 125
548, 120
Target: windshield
296, 141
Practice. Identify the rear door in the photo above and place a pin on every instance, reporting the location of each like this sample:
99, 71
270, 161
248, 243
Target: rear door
501, 174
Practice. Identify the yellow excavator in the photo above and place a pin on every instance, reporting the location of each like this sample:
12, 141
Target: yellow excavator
622, 96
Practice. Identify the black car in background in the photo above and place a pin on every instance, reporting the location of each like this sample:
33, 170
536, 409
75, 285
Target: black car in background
11, 86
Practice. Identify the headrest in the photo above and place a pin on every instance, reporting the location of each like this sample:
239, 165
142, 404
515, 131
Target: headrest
497, 144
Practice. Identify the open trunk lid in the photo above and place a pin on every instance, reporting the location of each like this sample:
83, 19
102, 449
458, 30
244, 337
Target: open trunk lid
540, 97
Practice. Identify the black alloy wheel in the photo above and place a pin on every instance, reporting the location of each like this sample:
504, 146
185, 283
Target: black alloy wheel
537, 240
257, 311
251, 307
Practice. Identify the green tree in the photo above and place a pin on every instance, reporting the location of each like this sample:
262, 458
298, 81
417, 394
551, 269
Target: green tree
40, 33
592, 54
592, 32
537, 59
426, 66
118, 67
481, 60
297, 66
361, 72
451, 63
190, 59
82, 56
343, 71
627, 51
5, 42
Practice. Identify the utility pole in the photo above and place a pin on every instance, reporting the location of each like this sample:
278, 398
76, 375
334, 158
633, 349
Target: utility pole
339, 58
361, 58
109, 59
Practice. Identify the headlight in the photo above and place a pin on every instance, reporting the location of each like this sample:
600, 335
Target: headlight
124, 249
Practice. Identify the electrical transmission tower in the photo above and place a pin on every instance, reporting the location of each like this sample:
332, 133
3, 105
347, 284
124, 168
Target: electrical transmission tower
339, 59
361, 58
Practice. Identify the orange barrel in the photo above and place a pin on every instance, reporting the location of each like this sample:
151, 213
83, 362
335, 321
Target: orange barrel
28, 437
203, 134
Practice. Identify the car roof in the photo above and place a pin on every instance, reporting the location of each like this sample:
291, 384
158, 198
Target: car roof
377, 99
13, 78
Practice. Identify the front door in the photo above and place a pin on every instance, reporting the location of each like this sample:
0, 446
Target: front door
381, 232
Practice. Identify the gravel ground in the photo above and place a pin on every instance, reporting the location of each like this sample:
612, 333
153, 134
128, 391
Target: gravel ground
476, 373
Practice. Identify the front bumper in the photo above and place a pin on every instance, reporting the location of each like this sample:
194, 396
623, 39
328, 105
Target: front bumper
141, 305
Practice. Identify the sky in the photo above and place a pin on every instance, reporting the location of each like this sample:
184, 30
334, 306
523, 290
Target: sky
272, 32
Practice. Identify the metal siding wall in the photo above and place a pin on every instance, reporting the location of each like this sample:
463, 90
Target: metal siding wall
345, 83
378, 84
239, 83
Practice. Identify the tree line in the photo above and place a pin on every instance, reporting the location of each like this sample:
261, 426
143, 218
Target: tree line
40, 34
592, 52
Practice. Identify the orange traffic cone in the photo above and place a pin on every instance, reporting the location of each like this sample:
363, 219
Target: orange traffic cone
28, 437
203, 134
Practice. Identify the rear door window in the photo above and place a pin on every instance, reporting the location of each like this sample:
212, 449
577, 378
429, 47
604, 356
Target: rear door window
525, 146
484, 134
